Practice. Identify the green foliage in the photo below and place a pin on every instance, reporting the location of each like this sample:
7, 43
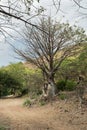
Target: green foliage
42, 102
60, 85
7, 83
67, 85
19, 80
74, 65
82, 61
68, 70
34, 81
11, 79
70, 85
27, 103
2, 128
63, 96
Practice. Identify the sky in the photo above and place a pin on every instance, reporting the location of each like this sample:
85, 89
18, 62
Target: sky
69, 12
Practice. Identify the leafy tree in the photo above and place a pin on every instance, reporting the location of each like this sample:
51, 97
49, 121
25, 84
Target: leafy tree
17, 71
19, 80
49, 49
34, 81
8, 84
82, 61
75, 66
12, 79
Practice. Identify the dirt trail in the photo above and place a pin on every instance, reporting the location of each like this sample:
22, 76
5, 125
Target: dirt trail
49, 117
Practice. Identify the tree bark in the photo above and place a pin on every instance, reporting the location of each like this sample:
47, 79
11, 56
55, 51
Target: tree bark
51, 86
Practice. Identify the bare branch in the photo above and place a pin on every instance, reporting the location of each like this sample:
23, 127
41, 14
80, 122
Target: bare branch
49, 50
79, 5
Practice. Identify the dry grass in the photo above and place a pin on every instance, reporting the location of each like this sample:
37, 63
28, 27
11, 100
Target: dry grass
61, 115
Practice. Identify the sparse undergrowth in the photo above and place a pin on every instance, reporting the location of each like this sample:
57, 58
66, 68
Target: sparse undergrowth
2, 127
60, 112
63, 96
27, 103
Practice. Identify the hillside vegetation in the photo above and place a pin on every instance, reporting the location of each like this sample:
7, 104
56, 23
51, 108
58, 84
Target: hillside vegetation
30, 112
23, 78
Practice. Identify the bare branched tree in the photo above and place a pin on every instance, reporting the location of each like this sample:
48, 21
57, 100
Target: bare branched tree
80, 3
21, 9
47, 50
18, 10
25, 10
81, 6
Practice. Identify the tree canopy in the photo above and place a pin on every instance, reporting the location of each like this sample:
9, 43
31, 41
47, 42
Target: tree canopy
47, 50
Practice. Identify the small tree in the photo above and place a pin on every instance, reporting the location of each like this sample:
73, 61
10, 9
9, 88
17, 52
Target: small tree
82, 62
48, 48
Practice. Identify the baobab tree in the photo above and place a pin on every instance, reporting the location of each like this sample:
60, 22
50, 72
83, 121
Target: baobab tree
47, 49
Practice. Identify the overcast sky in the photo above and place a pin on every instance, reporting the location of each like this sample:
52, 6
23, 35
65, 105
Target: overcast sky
69, 12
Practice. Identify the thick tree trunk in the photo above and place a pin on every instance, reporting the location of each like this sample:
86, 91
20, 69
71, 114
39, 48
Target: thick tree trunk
51, 88
49, 91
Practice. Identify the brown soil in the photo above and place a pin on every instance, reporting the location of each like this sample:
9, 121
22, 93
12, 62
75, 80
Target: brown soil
61, 115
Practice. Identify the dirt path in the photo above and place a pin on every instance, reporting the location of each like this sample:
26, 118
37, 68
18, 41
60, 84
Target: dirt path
49, 117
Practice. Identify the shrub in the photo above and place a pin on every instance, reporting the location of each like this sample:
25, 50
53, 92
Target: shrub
63, 96
11, 80
33, 95
42, 103
27, 103
70, 85
60, 85
2, 128
35, 82
19, 80
64, 85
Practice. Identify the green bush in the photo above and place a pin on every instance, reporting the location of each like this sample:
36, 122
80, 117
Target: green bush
2, 128
42, 103
60, 85
64, 85
70, 85
63, 96
27, 103
19, 80
34, 82
8, 84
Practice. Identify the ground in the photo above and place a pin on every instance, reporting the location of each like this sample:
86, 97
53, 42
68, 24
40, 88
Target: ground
60, 115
